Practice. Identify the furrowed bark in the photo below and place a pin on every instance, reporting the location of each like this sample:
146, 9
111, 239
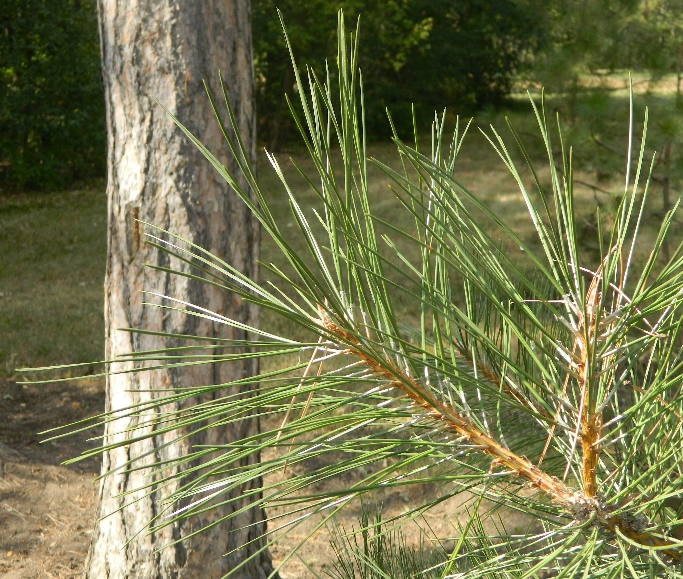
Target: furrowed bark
165, 49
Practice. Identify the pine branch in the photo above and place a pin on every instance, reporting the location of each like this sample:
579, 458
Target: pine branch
581, 505
490, 374
590, 422
568, 369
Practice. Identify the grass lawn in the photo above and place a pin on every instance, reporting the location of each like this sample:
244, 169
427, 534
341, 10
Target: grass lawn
51, 277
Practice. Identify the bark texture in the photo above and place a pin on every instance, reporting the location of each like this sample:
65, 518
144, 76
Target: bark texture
164, 49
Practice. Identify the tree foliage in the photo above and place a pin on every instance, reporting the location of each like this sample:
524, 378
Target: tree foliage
51, 100
418, 53
528, 377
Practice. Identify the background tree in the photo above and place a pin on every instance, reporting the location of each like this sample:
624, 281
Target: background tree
597, 38
586, 44
51, 107
165, 49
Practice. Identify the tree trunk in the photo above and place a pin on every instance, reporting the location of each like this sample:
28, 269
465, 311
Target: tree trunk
164, 49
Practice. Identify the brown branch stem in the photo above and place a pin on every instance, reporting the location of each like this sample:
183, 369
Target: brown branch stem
590, 424
577, 503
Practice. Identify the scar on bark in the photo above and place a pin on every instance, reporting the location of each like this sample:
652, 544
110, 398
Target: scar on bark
134, 229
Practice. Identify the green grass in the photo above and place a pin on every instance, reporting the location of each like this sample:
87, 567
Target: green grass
52, 265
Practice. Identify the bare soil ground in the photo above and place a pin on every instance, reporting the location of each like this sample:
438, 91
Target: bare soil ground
46, 509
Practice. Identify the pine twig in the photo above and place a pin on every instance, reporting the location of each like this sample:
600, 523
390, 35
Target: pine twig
577, 503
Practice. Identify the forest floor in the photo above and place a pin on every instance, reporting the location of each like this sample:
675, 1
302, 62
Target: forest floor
50, 312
